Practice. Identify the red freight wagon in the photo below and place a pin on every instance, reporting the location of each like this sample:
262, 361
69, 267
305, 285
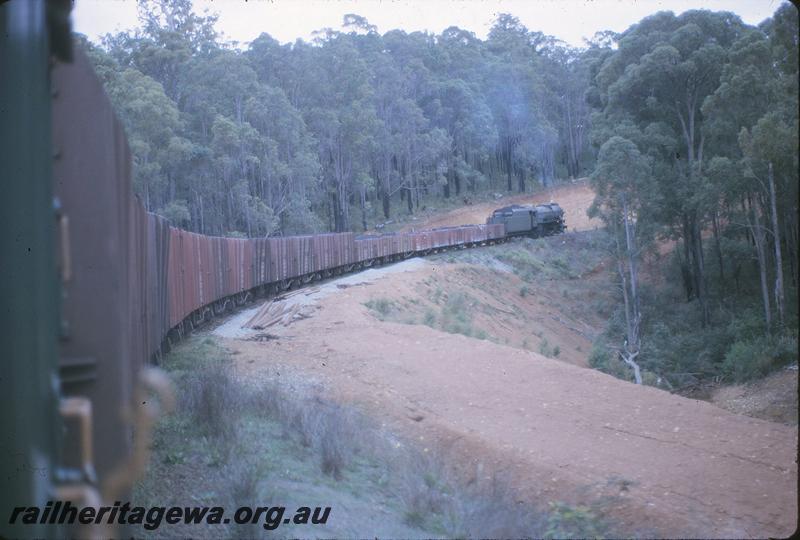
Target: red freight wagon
248, 279
321, 252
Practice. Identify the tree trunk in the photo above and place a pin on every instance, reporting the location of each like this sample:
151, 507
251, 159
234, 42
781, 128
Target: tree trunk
718, 249
778, 259
758, 239
630, 240
200, 211
789, 236
247, 220
689, 131
509, 171
387, 205
342, 207
333, 221
364, 207
633, 316
387, 188
699, 264
685, 272
571, 159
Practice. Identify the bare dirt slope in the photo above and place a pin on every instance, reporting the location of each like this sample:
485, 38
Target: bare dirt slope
574, 197
771, 398
680, 466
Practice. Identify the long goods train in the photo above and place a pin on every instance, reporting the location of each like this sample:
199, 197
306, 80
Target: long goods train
96, 284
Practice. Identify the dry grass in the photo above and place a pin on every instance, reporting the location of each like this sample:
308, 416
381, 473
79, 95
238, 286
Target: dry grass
326, 427
242, 488
437, 497
491, 510
211, 397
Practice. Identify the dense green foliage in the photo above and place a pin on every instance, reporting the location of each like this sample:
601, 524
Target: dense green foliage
697, 124
342, 132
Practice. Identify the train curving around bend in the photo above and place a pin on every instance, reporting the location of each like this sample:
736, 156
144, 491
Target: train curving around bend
97, 285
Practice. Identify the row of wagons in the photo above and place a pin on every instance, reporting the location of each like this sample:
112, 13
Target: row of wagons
203, 269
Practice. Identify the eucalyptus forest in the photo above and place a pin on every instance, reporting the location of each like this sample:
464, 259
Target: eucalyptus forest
686, 125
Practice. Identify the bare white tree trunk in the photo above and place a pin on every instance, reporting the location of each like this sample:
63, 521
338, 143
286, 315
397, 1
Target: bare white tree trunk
758, 238
629, 359
630, 293
200, 210
629, 350
778, 258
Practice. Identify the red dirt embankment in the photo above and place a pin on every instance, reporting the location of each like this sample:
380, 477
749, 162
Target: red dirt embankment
683, 466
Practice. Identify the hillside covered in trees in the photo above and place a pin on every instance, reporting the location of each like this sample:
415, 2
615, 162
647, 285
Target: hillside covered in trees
687, 125
697, 131
327, 135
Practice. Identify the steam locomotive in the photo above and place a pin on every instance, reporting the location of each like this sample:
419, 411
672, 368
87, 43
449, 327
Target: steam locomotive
529, 220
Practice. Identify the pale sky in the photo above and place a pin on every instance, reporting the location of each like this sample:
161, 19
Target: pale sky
287, 20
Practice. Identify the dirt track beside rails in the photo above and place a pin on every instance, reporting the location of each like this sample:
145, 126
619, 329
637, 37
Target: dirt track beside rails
664, 465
